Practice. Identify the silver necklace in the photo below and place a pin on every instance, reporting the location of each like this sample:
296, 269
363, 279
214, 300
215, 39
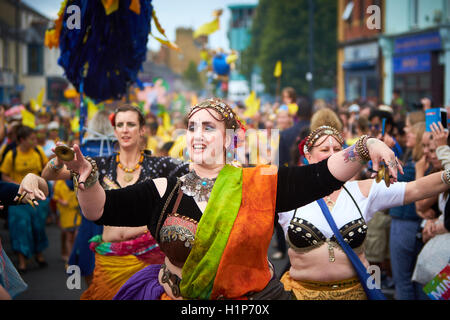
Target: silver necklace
199, 188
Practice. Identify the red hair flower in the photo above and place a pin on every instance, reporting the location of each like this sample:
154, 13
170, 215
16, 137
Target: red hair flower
112, 119
301, 147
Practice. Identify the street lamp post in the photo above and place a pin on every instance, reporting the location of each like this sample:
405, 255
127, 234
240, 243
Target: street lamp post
310, 74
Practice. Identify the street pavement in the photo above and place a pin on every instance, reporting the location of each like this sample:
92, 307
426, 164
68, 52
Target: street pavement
50, 283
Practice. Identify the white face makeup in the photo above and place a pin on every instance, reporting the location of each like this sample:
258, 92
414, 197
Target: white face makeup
206, 138
330, 142
323, 148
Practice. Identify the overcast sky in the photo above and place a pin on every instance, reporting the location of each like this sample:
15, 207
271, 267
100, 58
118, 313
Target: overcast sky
171, 14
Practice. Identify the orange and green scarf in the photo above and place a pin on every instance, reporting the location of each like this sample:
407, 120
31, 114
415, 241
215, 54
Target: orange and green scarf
229, 256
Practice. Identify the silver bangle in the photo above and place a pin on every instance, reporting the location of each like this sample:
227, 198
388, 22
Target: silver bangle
445, 176
93, 176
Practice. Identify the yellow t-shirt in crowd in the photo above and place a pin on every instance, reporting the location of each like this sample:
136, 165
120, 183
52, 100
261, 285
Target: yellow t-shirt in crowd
152, 144
69, 216
24, 163
177, 150
1, 150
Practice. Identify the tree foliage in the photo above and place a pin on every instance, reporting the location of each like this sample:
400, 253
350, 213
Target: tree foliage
280, 31
192, 76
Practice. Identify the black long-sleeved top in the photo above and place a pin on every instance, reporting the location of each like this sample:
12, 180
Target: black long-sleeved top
8, 192
140, 204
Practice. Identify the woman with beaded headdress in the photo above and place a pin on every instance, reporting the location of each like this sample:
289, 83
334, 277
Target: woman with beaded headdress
215, 224
320, 269
119, 252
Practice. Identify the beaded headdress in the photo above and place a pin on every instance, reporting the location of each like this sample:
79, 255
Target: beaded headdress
228, 115
321, 131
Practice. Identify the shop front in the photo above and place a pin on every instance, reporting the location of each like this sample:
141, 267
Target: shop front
417, 69
361, 71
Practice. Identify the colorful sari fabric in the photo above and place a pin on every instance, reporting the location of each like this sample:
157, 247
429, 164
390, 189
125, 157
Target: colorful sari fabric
143, 247
143, 285
229, 256
116, 262
152, 167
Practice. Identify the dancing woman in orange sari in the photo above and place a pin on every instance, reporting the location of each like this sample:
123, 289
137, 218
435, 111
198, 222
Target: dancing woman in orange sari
215, 224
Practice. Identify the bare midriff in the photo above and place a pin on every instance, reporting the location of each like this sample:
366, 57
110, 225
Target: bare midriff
315, 265
176, 270
117, 234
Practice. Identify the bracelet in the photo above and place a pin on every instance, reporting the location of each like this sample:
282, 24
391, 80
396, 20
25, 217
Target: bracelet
93, 176
445, 176
91, 179
361, 148
53, 166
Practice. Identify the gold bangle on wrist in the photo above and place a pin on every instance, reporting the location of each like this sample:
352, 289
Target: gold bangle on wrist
361, 148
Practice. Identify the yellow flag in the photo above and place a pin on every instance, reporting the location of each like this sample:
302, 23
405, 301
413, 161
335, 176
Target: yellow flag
250, 99
75, 124
207, 28
28, 119
194, 100
33, 105
40, 98
38, 103
252, 105
277, 71
92, 109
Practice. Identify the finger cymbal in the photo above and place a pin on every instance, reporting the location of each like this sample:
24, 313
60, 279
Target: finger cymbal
64, 153
387, 178
380, 174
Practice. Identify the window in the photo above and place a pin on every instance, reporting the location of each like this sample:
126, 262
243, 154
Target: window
371, 87
35, 59
413, 86
347, 15
354, 87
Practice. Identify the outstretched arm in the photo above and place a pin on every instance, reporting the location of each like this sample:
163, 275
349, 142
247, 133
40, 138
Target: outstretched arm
346, 163
425, 187
122, 207
298, 186
55, 169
